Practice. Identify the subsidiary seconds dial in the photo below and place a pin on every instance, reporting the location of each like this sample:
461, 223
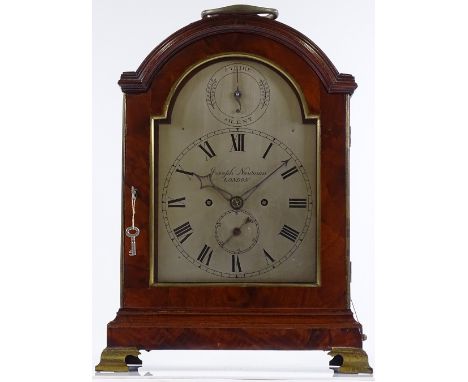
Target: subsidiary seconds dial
237, 203
237, 94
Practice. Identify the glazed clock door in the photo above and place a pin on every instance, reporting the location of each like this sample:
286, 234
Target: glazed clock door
235, 191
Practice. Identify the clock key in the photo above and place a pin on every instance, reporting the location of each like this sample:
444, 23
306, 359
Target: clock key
132, 233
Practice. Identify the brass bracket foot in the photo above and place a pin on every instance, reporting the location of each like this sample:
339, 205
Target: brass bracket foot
119, 359
349, 361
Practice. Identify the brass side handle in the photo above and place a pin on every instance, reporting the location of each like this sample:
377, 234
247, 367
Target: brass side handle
241, 9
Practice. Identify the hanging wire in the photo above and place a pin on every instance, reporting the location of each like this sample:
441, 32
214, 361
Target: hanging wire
134, 196
364, 337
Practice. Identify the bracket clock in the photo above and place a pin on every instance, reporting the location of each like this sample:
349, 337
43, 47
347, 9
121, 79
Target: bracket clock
235, 230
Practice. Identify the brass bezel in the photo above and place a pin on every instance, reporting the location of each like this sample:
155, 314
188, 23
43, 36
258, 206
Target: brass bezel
307, 117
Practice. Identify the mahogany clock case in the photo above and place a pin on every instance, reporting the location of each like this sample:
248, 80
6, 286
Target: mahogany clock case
232, 317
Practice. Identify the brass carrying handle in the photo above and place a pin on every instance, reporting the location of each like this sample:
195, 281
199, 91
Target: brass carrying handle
241, 9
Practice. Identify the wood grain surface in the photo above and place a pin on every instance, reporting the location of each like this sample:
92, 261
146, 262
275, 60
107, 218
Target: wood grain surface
237, 317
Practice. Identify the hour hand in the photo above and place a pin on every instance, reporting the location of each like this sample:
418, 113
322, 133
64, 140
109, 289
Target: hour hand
206, 181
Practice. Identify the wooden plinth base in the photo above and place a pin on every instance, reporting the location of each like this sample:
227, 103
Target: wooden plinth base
311, 330
325, 329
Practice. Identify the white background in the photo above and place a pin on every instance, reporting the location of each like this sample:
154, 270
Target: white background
47, 171
124, 34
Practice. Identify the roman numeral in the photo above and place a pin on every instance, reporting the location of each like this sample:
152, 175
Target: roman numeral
179, 202
236, 266
289, 233
268, 257
237, 142
184, 172
289, 172
297, 203
206, 252
207, 149
184, 229
267, 150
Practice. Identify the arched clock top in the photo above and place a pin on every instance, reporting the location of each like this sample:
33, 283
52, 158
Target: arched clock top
214, 34
165, 115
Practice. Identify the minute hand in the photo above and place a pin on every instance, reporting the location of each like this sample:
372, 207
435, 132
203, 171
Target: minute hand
250, 191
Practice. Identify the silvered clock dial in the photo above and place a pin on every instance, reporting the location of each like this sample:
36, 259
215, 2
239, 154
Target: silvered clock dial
237, 180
